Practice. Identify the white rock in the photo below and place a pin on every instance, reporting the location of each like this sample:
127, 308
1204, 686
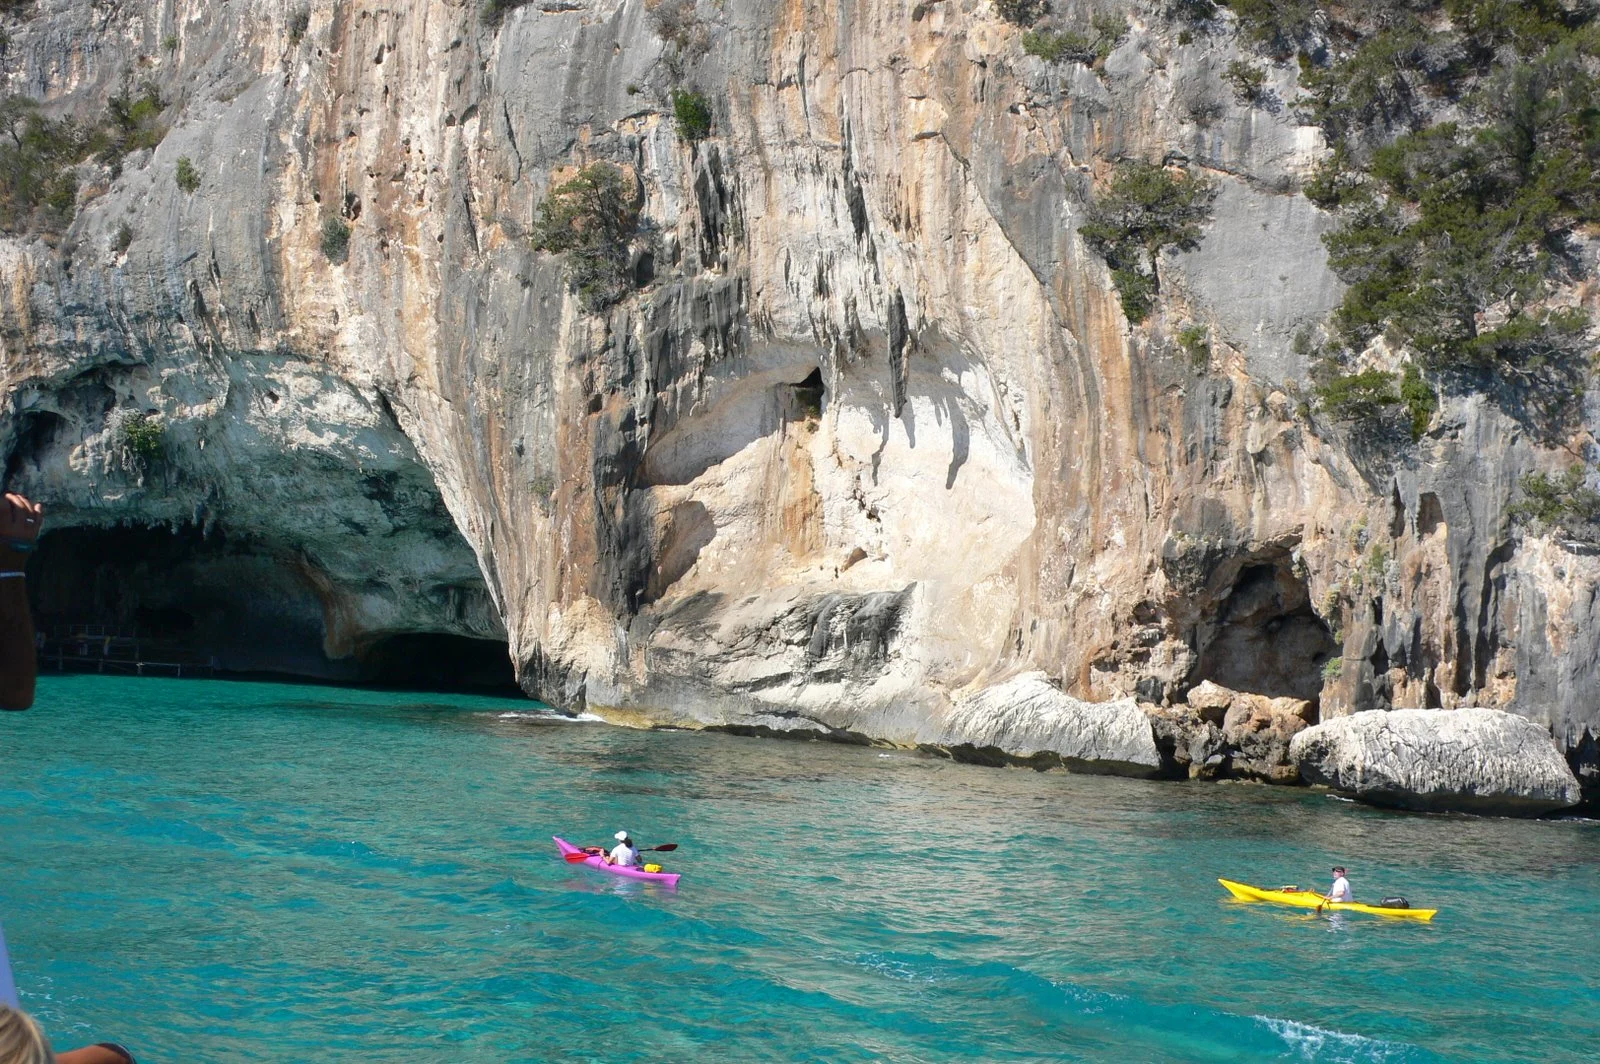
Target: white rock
1469, 760
1029, 716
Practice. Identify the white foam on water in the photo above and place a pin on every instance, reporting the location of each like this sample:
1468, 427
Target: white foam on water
555, 718
1311, 1043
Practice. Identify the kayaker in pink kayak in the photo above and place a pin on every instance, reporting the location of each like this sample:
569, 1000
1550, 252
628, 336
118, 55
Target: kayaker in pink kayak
623, 853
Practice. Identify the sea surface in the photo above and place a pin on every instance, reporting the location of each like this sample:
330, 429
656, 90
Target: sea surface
214, 871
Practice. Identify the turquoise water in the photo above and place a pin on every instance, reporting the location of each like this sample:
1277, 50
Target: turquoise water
251, 872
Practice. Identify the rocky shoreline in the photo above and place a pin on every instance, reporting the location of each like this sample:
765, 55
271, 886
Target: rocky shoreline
792, 367
1470, 760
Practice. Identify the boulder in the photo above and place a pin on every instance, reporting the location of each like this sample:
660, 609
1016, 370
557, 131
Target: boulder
1467, 760
1210, 700
1188, 742
1029, 718
1258, 730
1222, 732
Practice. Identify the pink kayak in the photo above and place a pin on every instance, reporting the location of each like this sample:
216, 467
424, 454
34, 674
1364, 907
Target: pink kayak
669, 878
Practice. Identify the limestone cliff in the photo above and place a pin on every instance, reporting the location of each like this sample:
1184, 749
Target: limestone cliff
867, 433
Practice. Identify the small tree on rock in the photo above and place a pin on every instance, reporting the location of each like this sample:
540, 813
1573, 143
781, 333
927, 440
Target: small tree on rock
1146, 209
591, 220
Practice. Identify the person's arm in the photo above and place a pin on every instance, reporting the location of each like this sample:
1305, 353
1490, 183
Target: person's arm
20, 521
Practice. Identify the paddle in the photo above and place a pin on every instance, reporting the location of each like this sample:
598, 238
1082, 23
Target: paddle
582, 855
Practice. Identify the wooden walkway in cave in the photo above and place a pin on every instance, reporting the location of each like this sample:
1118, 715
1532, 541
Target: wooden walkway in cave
107, 649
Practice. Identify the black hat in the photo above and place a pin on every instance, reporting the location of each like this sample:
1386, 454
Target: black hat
1338, 869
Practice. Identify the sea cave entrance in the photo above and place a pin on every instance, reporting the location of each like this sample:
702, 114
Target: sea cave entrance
187, 601
1262, 635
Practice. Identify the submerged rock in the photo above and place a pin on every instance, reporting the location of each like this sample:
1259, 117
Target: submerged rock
1029, 718
1467, 760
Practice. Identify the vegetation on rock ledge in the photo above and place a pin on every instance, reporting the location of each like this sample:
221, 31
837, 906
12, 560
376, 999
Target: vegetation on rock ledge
335, 240
692, 112
40, 156
1146, 209
1565, 503
1466, 149
1367, 396
143, 438
187, 177
1022, 12
591, 219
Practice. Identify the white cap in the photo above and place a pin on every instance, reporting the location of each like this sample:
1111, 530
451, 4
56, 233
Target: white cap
620, 836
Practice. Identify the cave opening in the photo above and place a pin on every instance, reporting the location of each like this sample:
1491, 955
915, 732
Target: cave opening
196, 601
808, 395
434, 661
36, 431
1262, 635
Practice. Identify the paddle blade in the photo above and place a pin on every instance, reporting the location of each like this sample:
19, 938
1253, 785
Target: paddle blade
664, 849
577, 858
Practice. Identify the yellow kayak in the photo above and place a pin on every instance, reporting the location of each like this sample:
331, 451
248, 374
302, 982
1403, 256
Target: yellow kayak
1310, 899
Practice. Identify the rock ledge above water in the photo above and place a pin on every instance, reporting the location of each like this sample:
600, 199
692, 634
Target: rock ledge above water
1467, 760
1029, 718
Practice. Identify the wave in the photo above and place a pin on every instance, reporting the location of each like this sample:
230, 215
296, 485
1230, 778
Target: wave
1097, 1022
1311, 1043
549, 717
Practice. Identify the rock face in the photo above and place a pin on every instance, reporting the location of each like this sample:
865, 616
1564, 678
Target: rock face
1469, 760
867, 428
1217, 732
1029, 717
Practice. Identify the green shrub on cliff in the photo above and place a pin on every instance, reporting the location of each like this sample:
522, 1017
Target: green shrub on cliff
39, 156
1420, 400
187, 177
143, 438
1461, 237
132, 123
1053, 47
1280, 26
590, 219
1110, 30
1022, 12
1367, 397
1457, 239
38, 186
1146, 209
1565, 503
335, 240
1249, 83
1358, 396
692, 112
1195, 340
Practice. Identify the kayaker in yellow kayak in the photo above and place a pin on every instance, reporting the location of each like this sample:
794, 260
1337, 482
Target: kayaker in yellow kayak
1340, 891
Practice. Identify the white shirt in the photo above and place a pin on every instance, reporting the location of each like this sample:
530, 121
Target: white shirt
1341, 890
622, 855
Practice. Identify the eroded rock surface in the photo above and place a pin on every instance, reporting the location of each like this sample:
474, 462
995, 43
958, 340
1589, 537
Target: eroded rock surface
868, 427
1217, 732
1468, 760
1029, 717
